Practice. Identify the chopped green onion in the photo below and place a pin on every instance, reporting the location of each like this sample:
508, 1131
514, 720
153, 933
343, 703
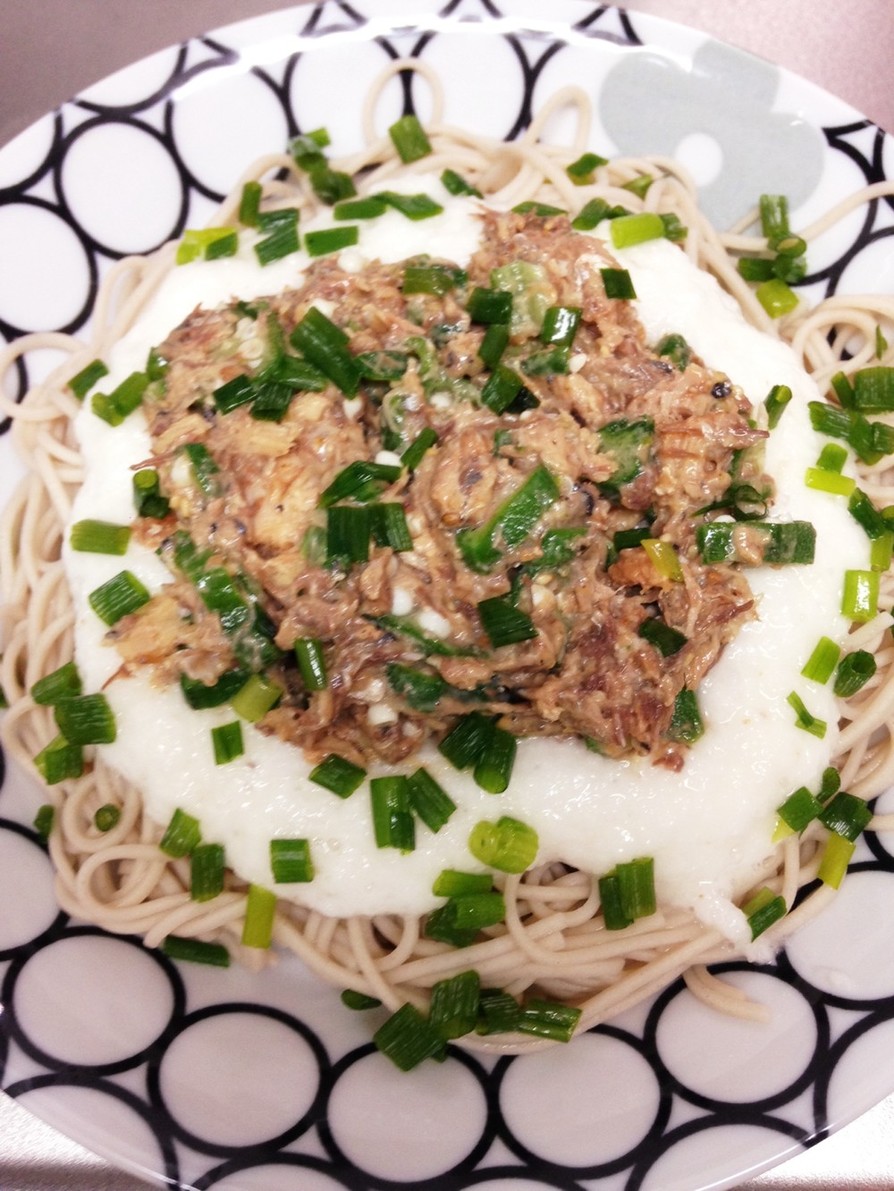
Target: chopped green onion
413, 455
451, 883
59, 760
854, 671
546, 1019
499, 1013
454, 1005
560, 325
207, 243
82, 382
881, 343
311, 663
640, 185
182, 835
147, 495
762, 910
307, 148
196, 951
582, 171
775, 404
628, 230
512, 522
227, 743
594, 212
362, 208
361, 480
348, 531
803, 718
229, 396
331, 186
388, 525
820, 666
407, 1038
260, 911
59, 684
799, 809
290, 861
114, 407
663, 557
206, 872
881, 550
773, 210
846, 815
755, 268
776, 297
467, 741
864, 512
675, 348
822, 479
200, 695
874, 389
272, 399
412, 206
780, 542
282, 239
429, 800
205, 469
409, 139
503, 623
352, 999
393, 823
462, 918
337, 774
493, 769
507, 844
618, 284
859, 600
257, 695
99, 537
455, 183
422, 689
541, 210
85, 719
666, 640
330, 239
490, 306
428, 645
501, 388
686, 724
325, 345
43, 821
432, 279
835, 859
250, 203
107, 817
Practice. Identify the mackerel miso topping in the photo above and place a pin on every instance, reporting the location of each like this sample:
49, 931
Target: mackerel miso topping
406, 494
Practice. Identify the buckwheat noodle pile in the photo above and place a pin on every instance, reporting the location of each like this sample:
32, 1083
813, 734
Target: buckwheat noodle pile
553, 940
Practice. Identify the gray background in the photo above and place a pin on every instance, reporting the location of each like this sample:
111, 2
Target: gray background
50, 49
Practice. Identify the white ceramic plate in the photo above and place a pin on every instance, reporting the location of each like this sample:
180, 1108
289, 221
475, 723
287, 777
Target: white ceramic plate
231, 1080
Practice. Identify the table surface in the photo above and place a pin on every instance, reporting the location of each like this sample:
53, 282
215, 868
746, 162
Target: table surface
51, 49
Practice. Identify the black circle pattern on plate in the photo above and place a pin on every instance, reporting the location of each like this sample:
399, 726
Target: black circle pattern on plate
496, 1144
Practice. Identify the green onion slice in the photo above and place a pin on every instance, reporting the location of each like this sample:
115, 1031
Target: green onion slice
182, 835
196, 951
260, 911
337, 774
206, 872
61, 683
290, 861
85, 719
507, 844
99, 537
407, 1038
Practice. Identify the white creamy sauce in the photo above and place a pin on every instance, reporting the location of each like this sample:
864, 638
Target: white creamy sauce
707, 828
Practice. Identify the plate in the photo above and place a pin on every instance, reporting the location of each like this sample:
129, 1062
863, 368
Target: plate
234, 1080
